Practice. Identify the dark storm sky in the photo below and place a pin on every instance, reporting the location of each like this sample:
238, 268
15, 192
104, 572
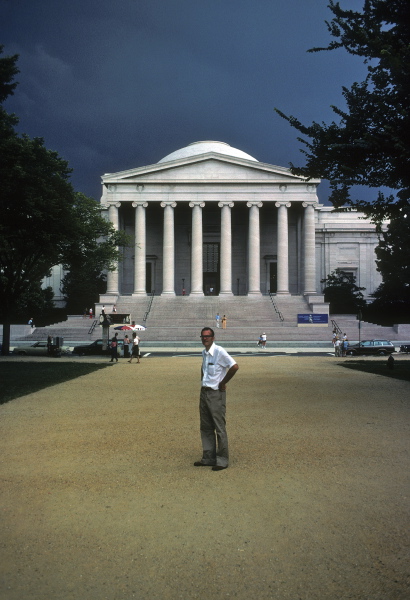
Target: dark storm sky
112, 85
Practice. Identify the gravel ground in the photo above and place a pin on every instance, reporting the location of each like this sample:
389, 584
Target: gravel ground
100, 499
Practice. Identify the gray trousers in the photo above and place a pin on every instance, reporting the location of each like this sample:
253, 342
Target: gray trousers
212, 411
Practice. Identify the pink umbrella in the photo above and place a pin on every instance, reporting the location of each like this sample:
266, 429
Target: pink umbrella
130, 328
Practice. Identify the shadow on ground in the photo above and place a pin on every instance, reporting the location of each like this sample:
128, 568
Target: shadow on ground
396, 369
19, 379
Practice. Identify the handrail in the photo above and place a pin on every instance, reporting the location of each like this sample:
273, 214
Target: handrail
151, 300
336, 327
94, 323
280, 316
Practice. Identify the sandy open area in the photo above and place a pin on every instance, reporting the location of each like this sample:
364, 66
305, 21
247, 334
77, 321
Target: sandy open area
100, 499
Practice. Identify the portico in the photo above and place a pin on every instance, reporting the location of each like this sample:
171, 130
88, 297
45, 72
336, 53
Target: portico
213, 220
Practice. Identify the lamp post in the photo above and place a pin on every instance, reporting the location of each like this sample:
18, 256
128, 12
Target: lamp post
359, 316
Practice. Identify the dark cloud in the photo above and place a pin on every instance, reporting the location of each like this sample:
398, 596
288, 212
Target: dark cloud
115, 85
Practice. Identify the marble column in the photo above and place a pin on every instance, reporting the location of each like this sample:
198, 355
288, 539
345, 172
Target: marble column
168, 251
283, 248
112, 276
140, 246
226, 249
309, 257
197, 250
254, 273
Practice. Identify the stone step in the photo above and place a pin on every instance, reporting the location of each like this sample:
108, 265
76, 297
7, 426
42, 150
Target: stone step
181, 319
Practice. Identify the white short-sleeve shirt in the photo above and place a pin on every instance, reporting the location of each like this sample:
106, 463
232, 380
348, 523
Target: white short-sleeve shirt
215, 364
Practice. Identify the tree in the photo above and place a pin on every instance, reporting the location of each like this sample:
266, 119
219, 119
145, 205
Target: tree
370, 145
44, 222
85, 279
342, 293
392, 298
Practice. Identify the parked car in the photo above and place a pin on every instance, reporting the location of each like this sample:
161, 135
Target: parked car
377, 347
40, 349
405, 348
97, 348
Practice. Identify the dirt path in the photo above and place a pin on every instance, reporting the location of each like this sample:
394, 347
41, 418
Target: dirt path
100, 500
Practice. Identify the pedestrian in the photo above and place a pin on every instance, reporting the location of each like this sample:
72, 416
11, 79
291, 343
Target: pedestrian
114, 348
91, 313
85, 313
224, 322
127, 343
217, 369
103, 310
49, 345
218, 320
263, 339
114, 309
344, 345
337, 347
135, 348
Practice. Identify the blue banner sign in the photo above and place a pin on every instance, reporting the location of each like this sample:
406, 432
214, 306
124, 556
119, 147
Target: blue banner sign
313, 319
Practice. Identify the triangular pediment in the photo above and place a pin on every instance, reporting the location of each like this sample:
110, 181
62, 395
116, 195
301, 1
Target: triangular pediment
209, 167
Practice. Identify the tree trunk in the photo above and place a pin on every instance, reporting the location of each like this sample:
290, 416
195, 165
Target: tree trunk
5, 349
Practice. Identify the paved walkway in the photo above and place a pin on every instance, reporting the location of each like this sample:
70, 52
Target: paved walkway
100, 500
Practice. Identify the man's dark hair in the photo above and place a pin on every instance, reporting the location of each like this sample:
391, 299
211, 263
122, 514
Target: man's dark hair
208, 329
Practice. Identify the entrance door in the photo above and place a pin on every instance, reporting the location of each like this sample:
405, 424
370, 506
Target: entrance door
211, 269
148, 277
273, 277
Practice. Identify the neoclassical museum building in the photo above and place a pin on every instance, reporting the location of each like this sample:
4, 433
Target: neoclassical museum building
209, 219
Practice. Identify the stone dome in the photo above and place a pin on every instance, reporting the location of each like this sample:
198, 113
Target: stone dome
197, 148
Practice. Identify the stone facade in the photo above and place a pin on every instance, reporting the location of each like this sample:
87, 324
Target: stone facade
210, 219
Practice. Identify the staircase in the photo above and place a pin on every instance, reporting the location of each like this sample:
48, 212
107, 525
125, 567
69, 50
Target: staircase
181, 318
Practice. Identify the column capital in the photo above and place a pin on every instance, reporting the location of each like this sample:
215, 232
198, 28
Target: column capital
282, 203
254, 203
170, 203
200, 204
139, 203
114, 204
311, 203
222, 204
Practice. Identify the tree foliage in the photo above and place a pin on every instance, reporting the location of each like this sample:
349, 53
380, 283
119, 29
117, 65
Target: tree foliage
44, 222
341, 291
392, 298
369, 145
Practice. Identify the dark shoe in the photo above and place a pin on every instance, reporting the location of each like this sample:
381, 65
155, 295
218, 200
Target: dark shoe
199, 463
218, 468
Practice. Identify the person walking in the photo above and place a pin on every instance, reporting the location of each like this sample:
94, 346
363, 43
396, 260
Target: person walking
218, 320
114, 348
135, 348
127, 343
218, 367
224, 322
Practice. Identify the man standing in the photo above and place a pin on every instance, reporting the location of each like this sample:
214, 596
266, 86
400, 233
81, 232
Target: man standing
218, 320
217, 369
